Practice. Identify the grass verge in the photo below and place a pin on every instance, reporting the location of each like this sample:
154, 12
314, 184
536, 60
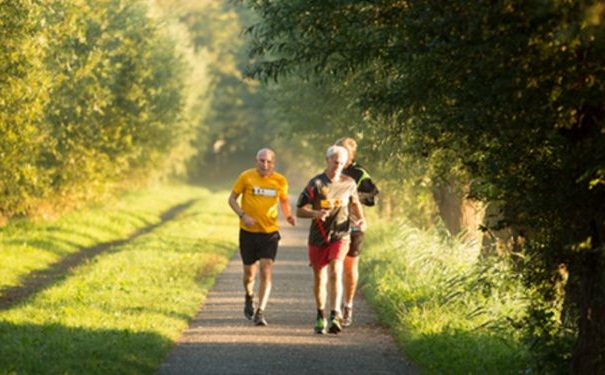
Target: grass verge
121, 310
450, 312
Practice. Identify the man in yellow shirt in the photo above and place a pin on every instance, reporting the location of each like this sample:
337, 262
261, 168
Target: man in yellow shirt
261, 190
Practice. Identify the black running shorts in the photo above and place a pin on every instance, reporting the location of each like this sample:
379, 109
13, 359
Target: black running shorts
254, 246
355, 246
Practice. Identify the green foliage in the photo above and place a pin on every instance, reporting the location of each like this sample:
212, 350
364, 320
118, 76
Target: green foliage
236, 123
450, 312
429, 69
183, 21
96, 95
118, 95
24, 85
507, 95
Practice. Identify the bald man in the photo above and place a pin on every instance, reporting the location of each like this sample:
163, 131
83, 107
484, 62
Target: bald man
262, 190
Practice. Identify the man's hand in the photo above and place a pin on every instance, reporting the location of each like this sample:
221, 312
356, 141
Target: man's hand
361, 224
322, 214
292, 220
248, 221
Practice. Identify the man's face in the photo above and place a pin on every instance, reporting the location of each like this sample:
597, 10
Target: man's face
336, 163
350, 157
265, 162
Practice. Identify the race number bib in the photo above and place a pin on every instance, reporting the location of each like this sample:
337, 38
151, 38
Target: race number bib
264, 191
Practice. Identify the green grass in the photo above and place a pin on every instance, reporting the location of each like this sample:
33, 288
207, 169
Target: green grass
26, 246
450, 313
121, 311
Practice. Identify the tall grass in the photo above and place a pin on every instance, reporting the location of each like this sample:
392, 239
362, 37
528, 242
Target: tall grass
450, 312
120, 311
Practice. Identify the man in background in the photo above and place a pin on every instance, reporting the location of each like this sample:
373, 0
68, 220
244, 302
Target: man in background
367, 191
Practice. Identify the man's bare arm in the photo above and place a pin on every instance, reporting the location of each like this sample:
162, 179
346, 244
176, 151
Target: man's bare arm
248, 220
308, 213
285, 209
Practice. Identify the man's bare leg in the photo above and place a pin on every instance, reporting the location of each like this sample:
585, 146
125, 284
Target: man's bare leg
335, 284
320, 285
335, 287
248, 281
264, 288
249, 278
351, 278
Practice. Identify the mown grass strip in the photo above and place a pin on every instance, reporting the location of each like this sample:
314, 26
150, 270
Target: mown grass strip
38, 280
122, 311
27, 246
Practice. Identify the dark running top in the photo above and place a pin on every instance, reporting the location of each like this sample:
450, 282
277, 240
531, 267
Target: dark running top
365, 186
323, 193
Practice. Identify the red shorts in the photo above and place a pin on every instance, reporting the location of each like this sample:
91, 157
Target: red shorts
320, 256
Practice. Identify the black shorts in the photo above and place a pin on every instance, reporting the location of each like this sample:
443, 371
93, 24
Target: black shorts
254, 246
356, 241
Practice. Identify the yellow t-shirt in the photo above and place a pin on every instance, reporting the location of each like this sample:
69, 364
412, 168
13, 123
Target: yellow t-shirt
260, 198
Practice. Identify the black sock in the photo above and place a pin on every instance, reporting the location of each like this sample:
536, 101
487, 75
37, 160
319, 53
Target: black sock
320, 314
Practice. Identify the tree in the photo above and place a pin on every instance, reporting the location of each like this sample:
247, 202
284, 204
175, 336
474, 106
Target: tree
513, 89
117, 97
96, 95
23, 84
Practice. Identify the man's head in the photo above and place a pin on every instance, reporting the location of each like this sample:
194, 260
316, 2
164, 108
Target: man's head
265, 161
350, 145
336, 158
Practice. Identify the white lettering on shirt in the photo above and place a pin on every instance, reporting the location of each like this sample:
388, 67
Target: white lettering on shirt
264, 191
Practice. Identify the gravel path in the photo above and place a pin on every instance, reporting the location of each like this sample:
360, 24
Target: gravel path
220, 340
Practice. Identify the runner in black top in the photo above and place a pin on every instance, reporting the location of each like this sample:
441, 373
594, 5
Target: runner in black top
367, 192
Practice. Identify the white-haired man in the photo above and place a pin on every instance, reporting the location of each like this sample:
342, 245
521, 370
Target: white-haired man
326, 200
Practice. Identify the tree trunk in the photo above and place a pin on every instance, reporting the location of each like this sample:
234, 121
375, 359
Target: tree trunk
588, 356
460, 214
385, 206
496, 240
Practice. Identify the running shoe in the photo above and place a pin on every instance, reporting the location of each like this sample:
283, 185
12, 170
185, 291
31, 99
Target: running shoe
249, 307
335, 324
320, 325
347, 317
259, 318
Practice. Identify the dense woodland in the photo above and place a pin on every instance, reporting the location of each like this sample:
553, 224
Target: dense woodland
484, 118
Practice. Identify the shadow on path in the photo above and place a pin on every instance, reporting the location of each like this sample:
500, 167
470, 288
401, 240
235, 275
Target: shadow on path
220, 340
37, 281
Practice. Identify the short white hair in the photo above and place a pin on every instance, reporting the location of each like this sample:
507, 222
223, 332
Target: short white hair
335, 150
270, 153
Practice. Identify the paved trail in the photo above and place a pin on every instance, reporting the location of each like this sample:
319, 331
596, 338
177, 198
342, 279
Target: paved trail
221, 341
